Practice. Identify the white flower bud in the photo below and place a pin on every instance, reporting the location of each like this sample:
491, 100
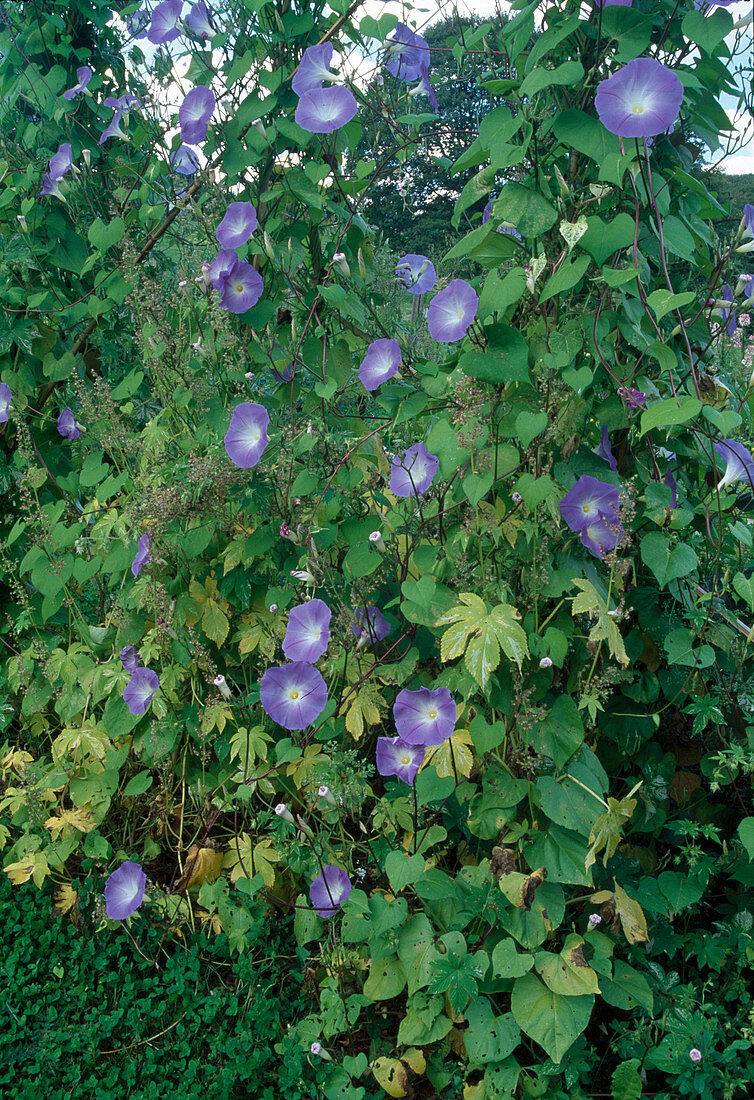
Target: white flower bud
257, 124
319, 1050
302, 575
22, 223
339, 258
282, 811
87, 155
546, 662
221, 684
377, 541
326, 793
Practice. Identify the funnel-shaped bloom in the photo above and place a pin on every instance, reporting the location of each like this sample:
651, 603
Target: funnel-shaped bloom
408, 54
194, 115
739, 465
308, 633
51, 186
412, 472
416, 273
5, 398
673, 486
84, 75
137, 24
184, 161
372, 625
425, 717
641, 100
143, 554
140, 690
329, 890
166, 22
613, 3
114, 129
68, 425
123, 102
293, 695
398, 757
240, 288
382, 360
197, 21
129, 659
601, 535
239, 222
322, 110
605, 451
314, 69
61, 162
425, 88
728, 313
124, 891
222, 265
246, 437
588, 501
451, 312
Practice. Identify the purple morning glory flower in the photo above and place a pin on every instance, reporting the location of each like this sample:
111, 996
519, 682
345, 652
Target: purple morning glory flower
605, 451
425, 716
412, 473
129, 659
194, 115
416, 273
140, 690
425, 88
671, 484
240, 288
451, 312
51, 186
487, 213
613, 3
739, 465
84, 75
372, 625
382, 361
589, 501
184, 161
641, 100
729, 315
5, 398
308, 632
68, 426
408, 54
197, 21
239, 222
123, 102
222, 265
314, 68
124, 891
293, 695
634, 399
143, 554
246, 437
165, 25
748, 219
398, 757
601, 535
137, 24
322, 110
61, 162
114, 129
329, 890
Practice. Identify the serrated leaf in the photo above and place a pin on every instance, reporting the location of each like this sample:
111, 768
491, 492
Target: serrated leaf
364, 706
626, 1082
215, 622
453, 757
605, 629
486, 633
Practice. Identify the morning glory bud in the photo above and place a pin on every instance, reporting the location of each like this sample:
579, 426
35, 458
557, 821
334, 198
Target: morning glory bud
258, 126
303, 575
377, 541
221, 685
546, 662
326, 793
282, 811
87, 155
319, 1050
22, 222
339, 258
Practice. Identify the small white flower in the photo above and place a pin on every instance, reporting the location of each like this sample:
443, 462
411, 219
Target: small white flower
302, 575
22, 222
87, 155
377, 541
220, 683
695, 1054
594, 920
319, 1050
546, 662
282, 811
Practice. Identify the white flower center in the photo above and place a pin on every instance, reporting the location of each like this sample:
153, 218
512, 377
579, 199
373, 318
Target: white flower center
432, 714
637, 108
406, 759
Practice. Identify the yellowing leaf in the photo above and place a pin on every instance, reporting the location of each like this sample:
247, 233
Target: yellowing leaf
364, 706
87, 740
215, 622
15, 760
65, 898
4, 834
215, 717
212, 918
605, 629
245, 859
632, 918
80, 819
486, 634
606, 831
32, 866
390, 1074
202, 865
453, 757
301, 769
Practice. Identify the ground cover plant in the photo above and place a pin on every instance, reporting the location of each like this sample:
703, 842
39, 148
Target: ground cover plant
410, 607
